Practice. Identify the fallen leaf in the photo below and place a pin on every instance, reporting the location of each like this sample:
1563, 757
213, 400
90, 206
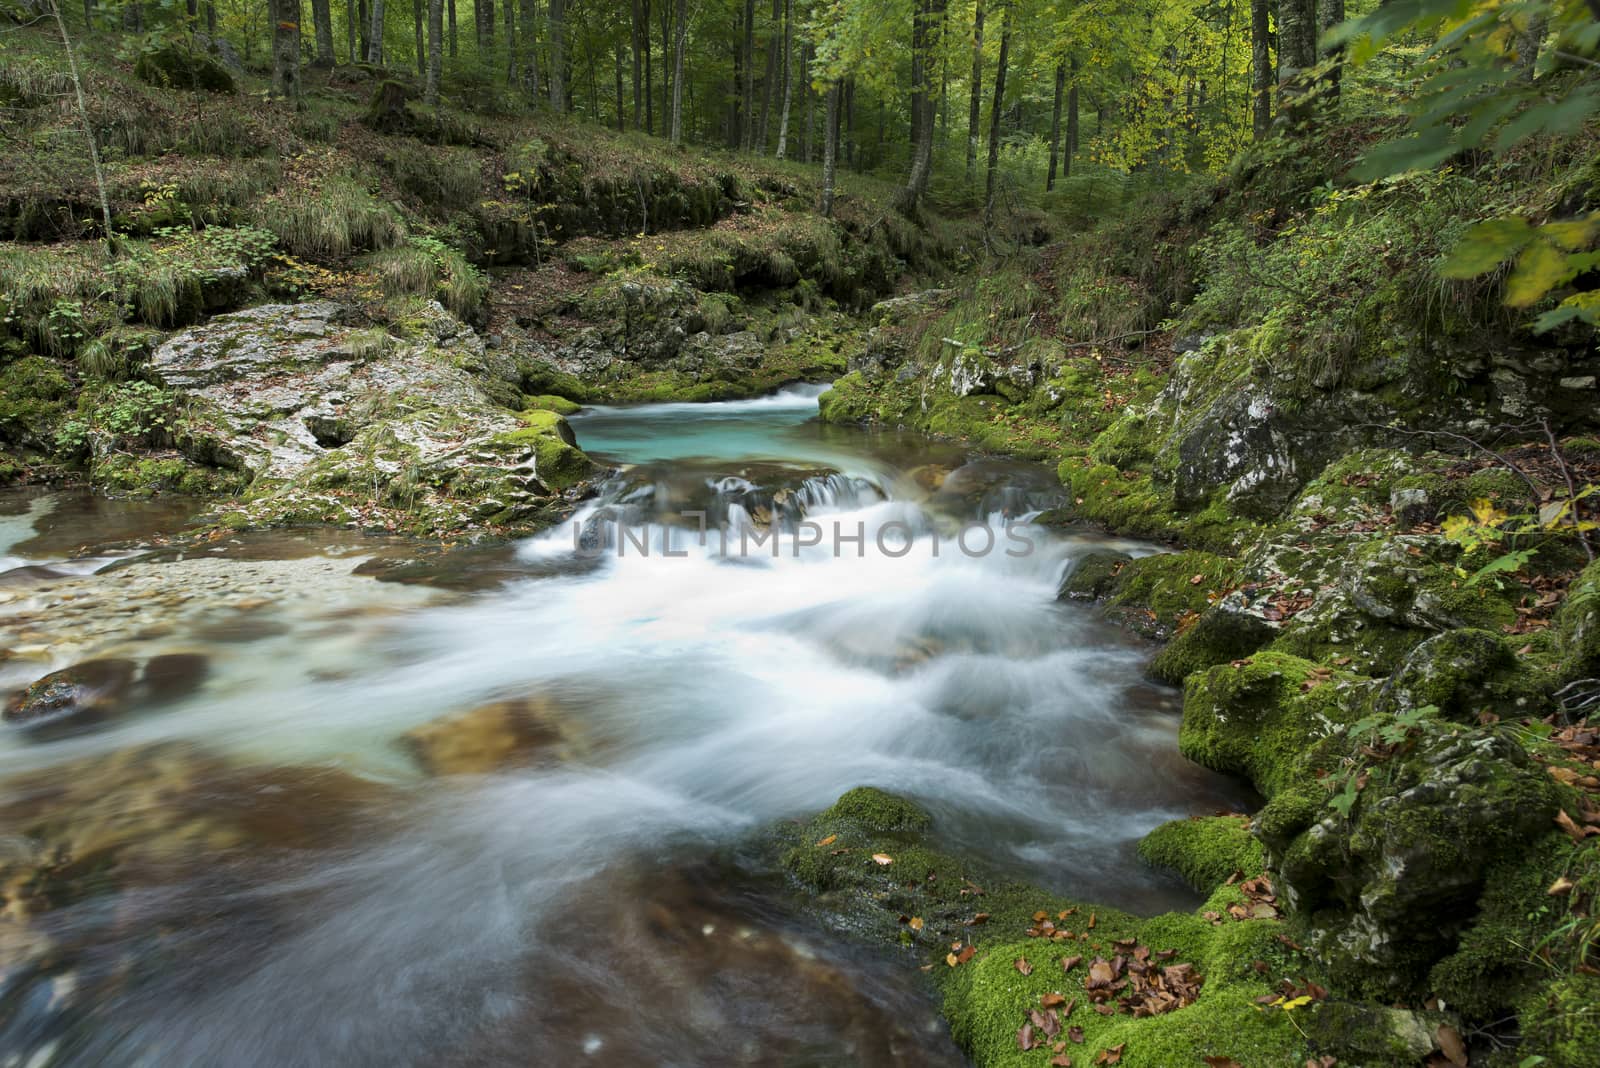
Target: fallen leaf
1052, 1001
966, 954
1061, 1060
1021, 964
828, 841
1560, 886
1111, 1054
951, 959
1076, 1034
1572, 830
980, 918
915, 923
1025, 1037
1069, 963
882, 858
1091, 921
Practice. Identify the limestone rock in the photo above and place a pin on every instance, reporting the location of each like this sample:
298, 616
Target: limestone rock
492, 738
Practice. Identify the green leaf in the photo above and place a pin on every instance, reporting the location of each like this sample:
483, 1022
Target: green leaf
1562, 117
1486, 245
1426, 148
1511, 562
1540, 268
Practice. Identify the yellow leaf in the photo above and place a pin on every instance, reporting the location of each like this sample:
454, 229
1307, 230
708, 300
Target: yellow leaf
828, 841
916, 923
1539, 269
882, 858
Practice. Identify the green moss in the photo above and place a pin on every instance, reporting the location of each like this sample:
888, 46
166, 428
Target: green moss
1155, 594
1217, 637
1257, 719
124, 475
549, 402
873, 809
34, 394
1562, 1023
1094, 575
177, 65
1578, 626
1206, 851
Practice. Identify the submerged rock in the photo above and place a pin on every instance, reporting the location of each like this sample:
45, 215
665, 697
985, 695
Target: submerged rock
492, 738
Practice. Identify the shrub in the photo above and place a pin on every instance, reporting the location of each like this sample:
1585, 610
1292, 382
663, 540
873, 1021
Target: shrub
331, 222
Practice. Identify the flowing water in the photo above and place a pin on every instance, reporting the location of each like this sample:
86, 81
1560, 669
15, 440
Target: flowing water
239, 861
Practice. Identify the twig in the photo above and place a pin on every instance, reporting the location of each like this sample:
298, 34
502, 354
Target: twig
1572, 489
1506, 462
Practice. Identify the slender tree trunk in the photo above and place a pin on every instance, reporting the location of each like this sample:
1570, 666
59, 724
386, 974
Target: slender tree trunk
191, 12
286, 50
637, 26
830, 150
847, 121
450, 13
133, 16
419, 15
430, 92
747, 95
1072, 124
364, 27
927, 34
994, 120
681, 17
351, 55
558, 54
322, 24
666, 65
1329, 14
649, 73
375, 35
788, 79
975, 102
211, 18
769, 83
809, 99
530, 48
511, 42
1055, 125
622, 123
1260, 68
83, 121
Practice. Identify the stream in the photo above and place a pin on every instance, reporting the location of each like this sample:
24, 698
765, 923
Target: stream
241, 858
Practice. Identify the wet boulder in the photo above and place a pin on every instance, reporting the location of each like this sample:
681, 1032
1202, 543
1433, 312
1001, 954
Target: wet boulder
1578, 626
1460, 672
86, 691
1240, 443
1093, 575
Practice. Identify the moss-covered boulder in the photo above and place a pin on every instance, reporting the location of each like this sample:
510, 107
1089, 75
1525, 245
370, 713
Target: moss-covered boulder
1383, 892
1463, 673
1157, 595
1578, 626
1257, 717
1220, 635
1093, 575
1206, 850
34, 394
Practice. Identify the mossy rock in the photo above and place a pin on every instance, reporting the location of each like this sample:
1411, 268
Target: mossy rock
34, 394
549, 402
1155, 595
1205, 850
1462, 673
177, 66
1578, 626
1561, 1023
873, 809
1258, 717
1093, 575
1219, 636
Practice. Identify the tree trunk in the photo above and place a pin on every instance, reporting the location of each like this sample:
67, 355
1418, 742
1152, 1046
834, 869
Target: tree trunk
637, 27
975, 103
649, 74
211, 18
681, 17
286, 49
88, 129
1260, 68
994, 120
748, 92
847, 121
351, 55
770, 83
191, 12
1072, 124
364, 28
375, 35
616, 51
419, 15
511, 42
927, 32
809, 121
1297, 51
322, 24
830, 150
666, 64
558, 54
450, 14
788, 80
1055, 126
430, 91
530, 48
1329, 14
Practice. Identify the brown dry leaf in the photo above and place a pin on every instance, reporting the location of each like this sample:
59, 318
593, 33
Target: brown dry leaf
1105, 1010
1560, 886
1026, 1039
1021, 964
1061, 1060
1091, 921
882, 858
1076, 1034
1052, 1001
1111, 1054
1572, 830
828, 841
966, 954
1195, 580
1064, 913
1040, 916
1451, 1046
1069, 963
979, 919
